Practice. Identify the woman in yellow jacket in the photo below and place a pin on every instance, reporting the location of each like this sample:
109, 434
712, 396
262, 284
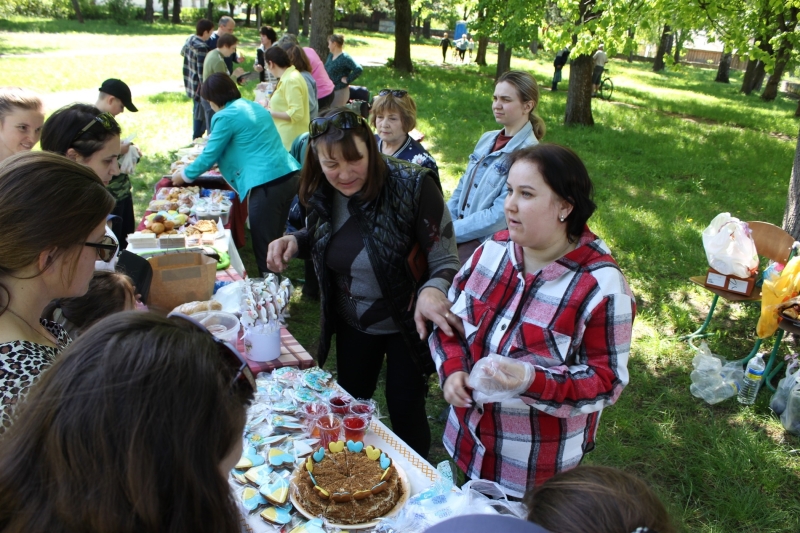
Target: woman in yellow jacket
289, 103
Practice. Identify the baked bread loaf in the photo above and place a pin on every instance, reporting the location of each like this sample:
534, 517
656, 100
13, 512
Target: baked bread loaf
198, 307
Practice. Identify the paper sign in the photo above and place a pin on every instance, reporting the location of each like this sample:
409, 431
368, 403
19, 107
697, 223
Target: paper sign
717, 280
737, 285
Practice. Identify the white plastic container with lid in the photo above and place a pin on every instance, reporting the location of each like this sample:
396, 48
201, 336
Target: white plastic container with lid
224, 326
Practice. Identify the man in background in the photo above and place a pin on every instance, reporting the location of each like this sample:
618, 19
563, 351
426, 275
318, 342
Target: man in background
226, 25
194, 55
600, 60
114, 98
558, 63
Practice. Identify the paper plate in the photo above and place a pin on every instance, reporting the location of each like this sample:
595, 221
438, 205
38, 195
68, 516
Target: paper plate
364, 525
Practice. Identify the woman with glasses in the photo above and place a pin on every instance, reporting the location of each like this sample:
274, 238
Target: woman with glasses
476, 204
383, 249
21, 118
393, 115
134, 429
53, 214
85, 135
251, 157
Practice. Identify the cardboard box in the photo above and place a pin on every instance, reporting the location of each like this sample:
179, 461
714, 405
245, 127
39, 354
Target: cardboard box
743, 286
180, 278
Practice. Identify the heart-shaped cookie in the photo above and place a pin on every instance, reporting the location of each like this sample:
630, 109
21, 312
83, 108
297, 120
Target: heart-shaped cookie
278, 457
249, 459
239, 477
276, 515
319, 455
309, 465
312, 526
276, 491
373, 453
259, 474
336, 447
385, 461
252, 499
355, 447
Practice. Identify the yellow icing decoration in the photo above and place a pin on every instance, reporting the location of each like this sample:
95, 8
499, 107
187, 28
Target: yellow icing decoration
373, 453
336, 447
249, 492
309, 465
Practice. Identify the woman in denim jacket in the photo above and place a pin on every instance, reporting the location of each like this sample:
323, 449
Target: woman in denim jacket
476, 205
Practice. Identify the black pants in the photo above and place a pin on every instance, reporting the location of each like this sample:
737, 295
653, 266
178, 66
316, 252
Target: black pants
126, 223
359, 357
268, 208
444, 54
324, 103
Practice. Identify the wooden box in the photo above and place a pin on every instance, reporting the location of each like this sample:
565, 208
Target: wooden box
743, 286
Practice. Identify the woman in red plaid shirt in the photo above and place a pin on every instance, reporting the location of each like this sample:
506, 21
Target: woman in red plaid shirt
547, 318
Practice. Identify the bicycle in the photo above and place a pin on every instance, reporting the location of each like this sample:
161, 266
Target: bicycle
606, 88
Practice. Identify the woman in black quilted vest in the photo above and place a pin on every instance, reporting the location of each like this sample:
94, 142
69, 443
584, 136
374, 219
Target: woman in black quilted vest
383, 247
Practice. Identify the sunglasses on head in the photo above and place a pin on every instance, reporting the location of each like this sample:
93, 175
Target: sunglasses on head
105, 119
344, 120
106, 248
228, 351
397, 93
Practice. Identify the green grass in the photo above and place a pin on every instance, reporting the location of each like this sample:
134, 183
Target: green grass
668, 154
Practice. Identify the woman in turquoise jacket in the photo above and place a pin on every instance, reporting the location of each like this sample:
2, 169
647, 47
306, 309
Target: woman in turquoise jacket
246, 146
476, 205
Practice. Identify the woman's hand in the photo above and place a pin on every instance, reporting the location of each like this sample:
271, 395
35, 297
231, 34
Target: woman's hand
433, 305
238, 72
456, 391
344, 80
178, 177
280, 251
258, 68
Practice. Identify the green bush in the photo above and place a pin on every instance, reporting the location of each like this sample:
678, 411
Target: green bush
121, 11
192, 14
36, 8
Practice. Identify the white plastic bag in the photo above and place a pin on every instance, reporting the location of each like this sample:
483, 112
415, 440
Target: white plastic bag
127, 163
497, 378
230, 296
730, 249
778, 401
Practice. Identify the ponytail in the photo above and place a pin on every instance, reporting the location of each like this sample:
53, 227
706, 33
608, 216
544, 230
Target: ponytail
528, 91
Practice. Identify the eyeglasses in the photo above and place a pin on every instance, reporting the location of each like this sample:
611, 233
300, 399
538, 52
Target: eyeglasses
228, 351
105, 119
397, 93
107, 249
344, 120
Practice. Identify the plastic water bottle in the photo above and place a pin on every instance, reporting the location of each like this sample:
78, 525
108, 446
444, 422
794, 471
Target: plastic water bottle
752, 380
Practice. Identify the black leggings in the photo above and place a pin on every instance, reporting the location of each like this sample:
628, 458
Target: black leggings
359, 357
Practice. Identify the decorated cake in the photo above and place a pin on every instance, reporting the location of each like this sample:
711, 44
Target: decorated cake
348, 484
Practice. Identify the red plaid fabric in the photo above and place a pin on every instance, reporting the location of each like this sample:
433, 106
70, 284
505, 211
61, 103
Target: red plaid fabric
573, 322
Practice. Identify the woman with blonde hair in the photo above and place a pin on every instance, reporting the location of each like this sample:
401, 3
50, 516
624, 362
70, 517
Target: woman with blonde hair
476, 204
21, 120
394, 115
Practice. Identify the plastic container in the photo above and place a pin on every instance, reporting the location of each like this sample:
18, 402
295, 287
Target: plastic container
219, 215
224, 326
262, 347
752, 380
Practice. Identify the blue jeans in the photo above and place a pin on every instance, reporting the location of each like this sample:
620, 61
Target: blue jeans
198, 119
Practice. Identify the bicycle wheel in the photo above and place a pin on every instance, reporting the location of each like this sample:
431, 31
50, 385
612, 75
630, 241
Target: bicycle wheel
606, 89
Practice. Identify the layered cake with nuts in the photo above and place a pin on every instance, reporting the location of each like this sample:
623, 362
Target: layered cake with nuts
348, 484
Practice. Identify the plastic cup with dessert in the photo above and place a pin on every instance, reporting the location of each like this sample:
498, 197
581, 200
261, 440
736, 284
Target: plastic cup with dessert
355, 427
312, 411
340, 403
329, 427
364, 408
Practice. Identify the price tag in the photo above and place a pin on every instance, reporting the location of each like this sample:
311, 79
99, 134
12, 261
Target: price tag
717, 280
737, 285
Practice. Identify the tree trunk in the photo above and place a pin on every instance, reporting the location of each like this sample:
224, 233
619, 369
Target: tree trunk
258, 16
579, 93
678, 46
758, 79
503, 59
210, 15
631, 43
230, 8
77, 7
797, 111
749, 76
164, 10
294, 17
306, 16
791, 214
483, 44
148, 11
322, 13
402, 36
534, 46
782, 58
176, 11
426, 28
663, 45
723, 72
247, 15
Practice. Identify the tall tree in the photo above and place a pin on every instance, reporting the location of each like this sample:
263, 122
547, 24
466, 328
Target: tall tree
322, 14
724, 69
791, 214
210, 12
164, 9
247, 15
148, 11
77, 7
402, 36
306, 16
663, 44
176, 11
294, 17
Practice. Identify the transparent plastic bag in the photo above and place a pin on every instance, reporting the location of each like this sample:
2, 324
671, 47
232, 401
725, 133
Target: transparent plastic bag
730, 249
790, 419
781, 396
497, 378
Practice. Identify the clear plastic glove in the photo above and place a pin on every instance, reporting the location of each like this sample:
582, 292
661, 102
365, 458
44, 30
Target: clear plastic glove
497, 378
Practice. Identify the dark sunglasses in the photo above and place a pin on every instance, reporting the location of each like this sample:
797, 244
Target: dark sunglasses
344, 120
105, 119
397, 93
228, 351
106, 249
